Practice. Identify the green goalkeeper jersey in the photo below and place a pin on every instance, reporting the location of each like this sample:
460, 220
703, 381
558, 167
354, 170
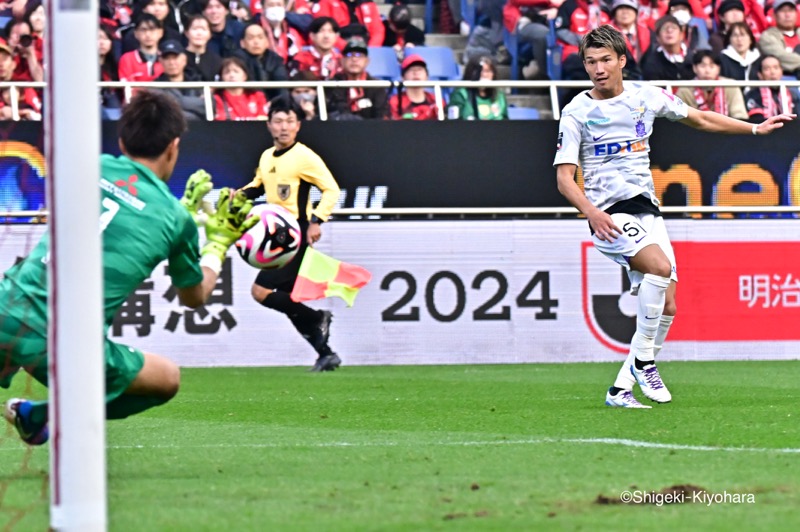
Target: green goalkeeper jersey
142, 224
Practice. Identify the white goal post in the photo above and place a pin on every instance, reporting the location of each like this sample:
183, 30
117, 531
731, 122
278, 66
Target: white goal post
75, 335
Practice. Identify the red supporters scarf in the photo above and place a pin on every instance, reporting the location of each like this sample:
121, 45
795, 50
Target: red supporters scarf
772, 107
356, 94
719, 104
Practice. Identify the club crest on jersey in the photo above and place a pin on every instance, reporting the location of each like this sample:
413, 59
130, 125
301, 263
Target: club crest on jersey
284, 191
640, 129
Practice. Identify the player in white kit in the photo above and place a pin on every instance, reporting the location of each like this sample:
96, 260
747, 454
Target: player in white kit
606, 130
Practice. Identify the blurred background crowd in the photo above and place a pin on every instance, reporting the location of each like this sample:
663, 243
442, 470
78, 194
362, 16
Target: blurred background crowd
354, 40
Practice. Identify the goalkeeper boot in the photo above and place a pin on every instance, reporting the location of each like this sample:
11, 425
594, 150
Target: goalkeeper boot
624, 399
651, 384
327, 361
18, 413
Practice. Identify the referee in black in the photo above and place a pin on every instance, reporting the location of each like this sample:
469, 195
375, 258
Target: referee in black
285, 174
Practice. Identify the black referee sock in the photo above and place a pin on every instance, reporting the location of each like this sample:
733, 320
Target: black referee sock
301, 315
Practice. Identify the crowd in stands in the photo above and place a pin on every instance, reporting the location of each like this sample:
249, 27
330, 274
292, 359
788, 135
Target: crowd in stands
677, 40
319, 40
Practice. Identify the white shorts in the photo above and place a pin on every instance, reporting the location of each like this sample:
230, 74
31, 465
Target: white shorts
638, 232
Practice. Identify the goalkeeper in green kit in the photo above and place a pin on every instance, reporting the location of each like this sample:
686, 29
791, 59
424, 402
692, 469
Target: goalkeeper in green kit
142, 224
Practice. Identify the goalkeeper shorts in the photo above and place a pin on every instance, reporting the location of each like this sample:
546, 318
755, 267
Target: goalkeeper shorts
23, 345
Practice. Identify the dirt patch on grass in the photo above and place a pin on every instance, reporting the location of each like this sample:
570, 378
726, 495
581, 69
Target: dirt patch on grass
677, 494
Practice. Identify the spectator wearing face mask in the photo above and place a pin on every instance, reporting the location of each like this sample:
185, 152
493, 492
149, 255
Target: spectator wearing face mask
400, 32
284, 39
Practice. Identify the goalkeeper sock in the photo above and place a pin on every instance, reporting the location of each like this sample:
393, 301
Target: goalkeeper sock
128, 405
663, 329
302, 316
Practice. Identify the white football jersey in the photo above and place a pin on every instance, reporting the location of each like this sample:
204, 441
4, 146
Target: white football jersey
610, 141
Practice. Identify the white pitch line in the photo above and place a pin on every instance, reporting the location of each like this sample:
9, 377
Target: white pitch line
486, 443
478, 443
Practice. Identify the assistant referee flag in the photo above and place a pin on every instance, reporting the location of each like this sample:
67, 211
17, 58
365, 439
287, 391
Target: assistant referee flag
322, 276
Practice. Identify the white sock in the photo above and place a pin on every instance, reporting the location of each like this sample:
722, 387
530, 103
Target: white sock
663, 329
625, 379
652, 295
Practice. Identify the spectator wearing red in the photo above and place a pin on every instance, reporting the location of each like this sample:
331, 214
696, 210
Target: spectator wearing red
783, 40
110, 99
142, 64
356, 102
414, 103
765, 102
731, 11
321, 57
27, 51
652, 10
262, 63
36, 18
723, 100
238, 103
198, 57
30, 105
625, 17
575, 19
284, 40
355, 18
530, 19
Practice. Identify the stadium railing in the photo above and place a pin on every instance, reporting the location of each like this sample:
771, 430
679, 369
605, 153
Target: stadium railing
437, 86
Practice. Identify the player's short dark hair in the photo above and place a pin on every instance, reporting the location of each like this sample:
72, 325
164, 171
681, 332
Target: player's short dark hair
284, 104
701, 54
319, 22
149, 123
604, 37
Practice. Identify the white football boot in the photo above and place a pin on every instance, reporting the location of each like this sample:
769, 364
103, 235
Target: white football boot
624, 399
651, 384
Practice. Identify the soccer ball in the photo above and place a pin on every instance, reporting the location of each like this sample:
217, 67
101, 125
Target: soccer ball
273, 242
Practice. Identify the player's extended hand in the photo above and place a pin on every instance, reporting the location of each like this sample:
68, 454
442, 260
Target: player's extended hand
197, 186
228, 223
603, 225
774, 122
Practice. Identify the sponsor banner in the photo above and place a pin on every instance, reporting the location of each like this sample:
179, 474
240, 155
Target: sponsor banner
457, 163
486, 292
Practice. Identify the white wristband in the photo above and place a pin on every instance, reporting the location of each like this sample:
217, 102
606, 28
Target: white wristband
212, 262
755, 127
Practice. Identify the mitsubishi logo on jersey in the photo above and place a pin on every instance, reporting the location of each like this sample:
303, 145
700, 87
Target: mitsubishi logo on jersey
613, 148
128, 184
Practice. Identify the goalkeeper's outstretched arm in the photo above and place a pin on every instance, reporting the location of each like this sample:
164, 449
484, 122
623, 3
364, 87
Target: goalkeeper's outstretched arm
223, 228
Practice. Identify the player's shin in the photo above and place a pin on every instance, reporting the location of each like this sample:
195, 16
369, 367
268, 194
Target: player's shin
651, 298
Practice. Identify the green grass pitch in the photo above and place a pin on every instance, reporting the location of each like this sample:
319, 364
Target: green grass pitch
511, 447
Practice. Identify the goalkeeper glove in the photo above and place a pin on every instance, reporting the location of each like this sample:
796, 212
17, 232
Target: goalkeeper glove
225, 226
197, 186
